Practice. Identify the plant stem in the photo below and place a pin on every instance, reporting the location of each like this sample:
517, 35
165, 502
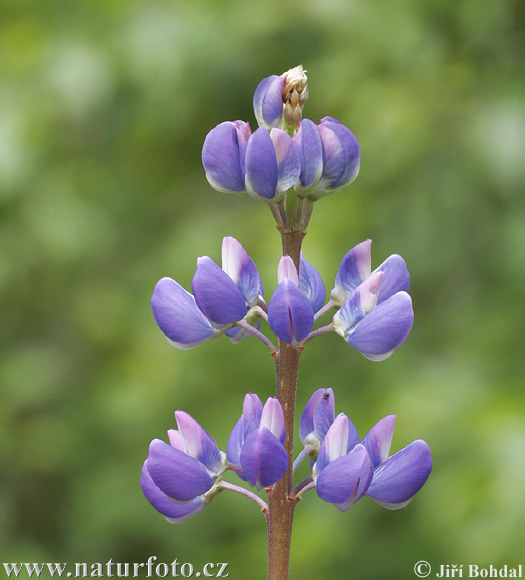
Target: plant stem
280, 517
281, 507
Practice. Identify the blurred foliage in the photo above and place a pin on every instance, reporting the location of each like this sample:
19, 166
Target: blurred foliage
104, 106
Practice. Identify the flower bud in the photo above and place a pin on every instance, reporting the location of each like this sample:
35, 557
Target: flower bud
278, 100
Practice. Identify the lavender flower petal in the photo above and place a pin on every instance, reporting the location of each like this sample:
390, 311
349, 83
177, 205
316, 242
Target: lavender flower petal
263, 458
268, 101
378, 440
198, 443
290, 314
342, 155
310, 148
401, 476
311, 283
288, 160
396, 277
217, 295
318, 415
362, 300
221, 157
335, 443
176, 474
272, 418
339, 482
252, 409
235, 443
175, 513
242, 270
354, 268
262, 171
178, 315
385, 328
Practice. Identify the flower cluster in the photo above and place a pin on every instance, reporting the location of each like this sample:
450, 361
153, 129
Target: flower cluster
290, 162
374, 309
181, 478
346, 467
315, 159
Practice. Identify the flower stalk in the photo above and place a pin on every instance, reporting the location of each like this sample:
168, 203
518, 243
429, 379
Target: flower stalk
280, 517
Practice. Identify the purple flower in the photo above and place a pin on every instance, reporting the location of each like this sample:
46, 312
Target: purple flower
330, 157
290, 313
256, 443
223, 156
343, 470
216, 293
355, 268
278, 100
311, 283
265, 163
178, 315
316, 419
179, 479
242, 270
397, 478
347, 469
376, 314
268, 101
221, 298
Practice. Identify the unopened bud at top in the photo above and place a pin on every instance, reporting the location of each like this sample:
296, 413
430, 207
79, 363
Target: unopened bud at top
295, 94
278, 100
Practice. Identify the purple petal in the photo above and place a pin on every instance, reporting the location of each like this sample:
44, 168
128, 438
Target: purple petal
176, 513
311, 283
263, 458
378, 440
318, 414
241, 269
178, 475
338, 482
221, 157
243, 134
216, 293
341, 155
261, 165
287, 271
198, 443
306, 422
235, 443
335, 443
268, 101
178, 315
367, 472
396, 278
290, 314
288, 160
251, 412
354, 268
402, 475
272, 418
385, 328
353, 436
176, 439
311, 153
362, 300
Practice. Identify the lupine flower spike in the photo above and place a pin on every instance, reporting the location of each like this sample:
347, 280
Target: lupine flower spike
290, 162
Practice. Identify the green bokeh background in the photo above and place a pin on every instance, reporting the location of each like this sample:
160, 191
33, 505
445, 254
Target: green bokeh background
104, 106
